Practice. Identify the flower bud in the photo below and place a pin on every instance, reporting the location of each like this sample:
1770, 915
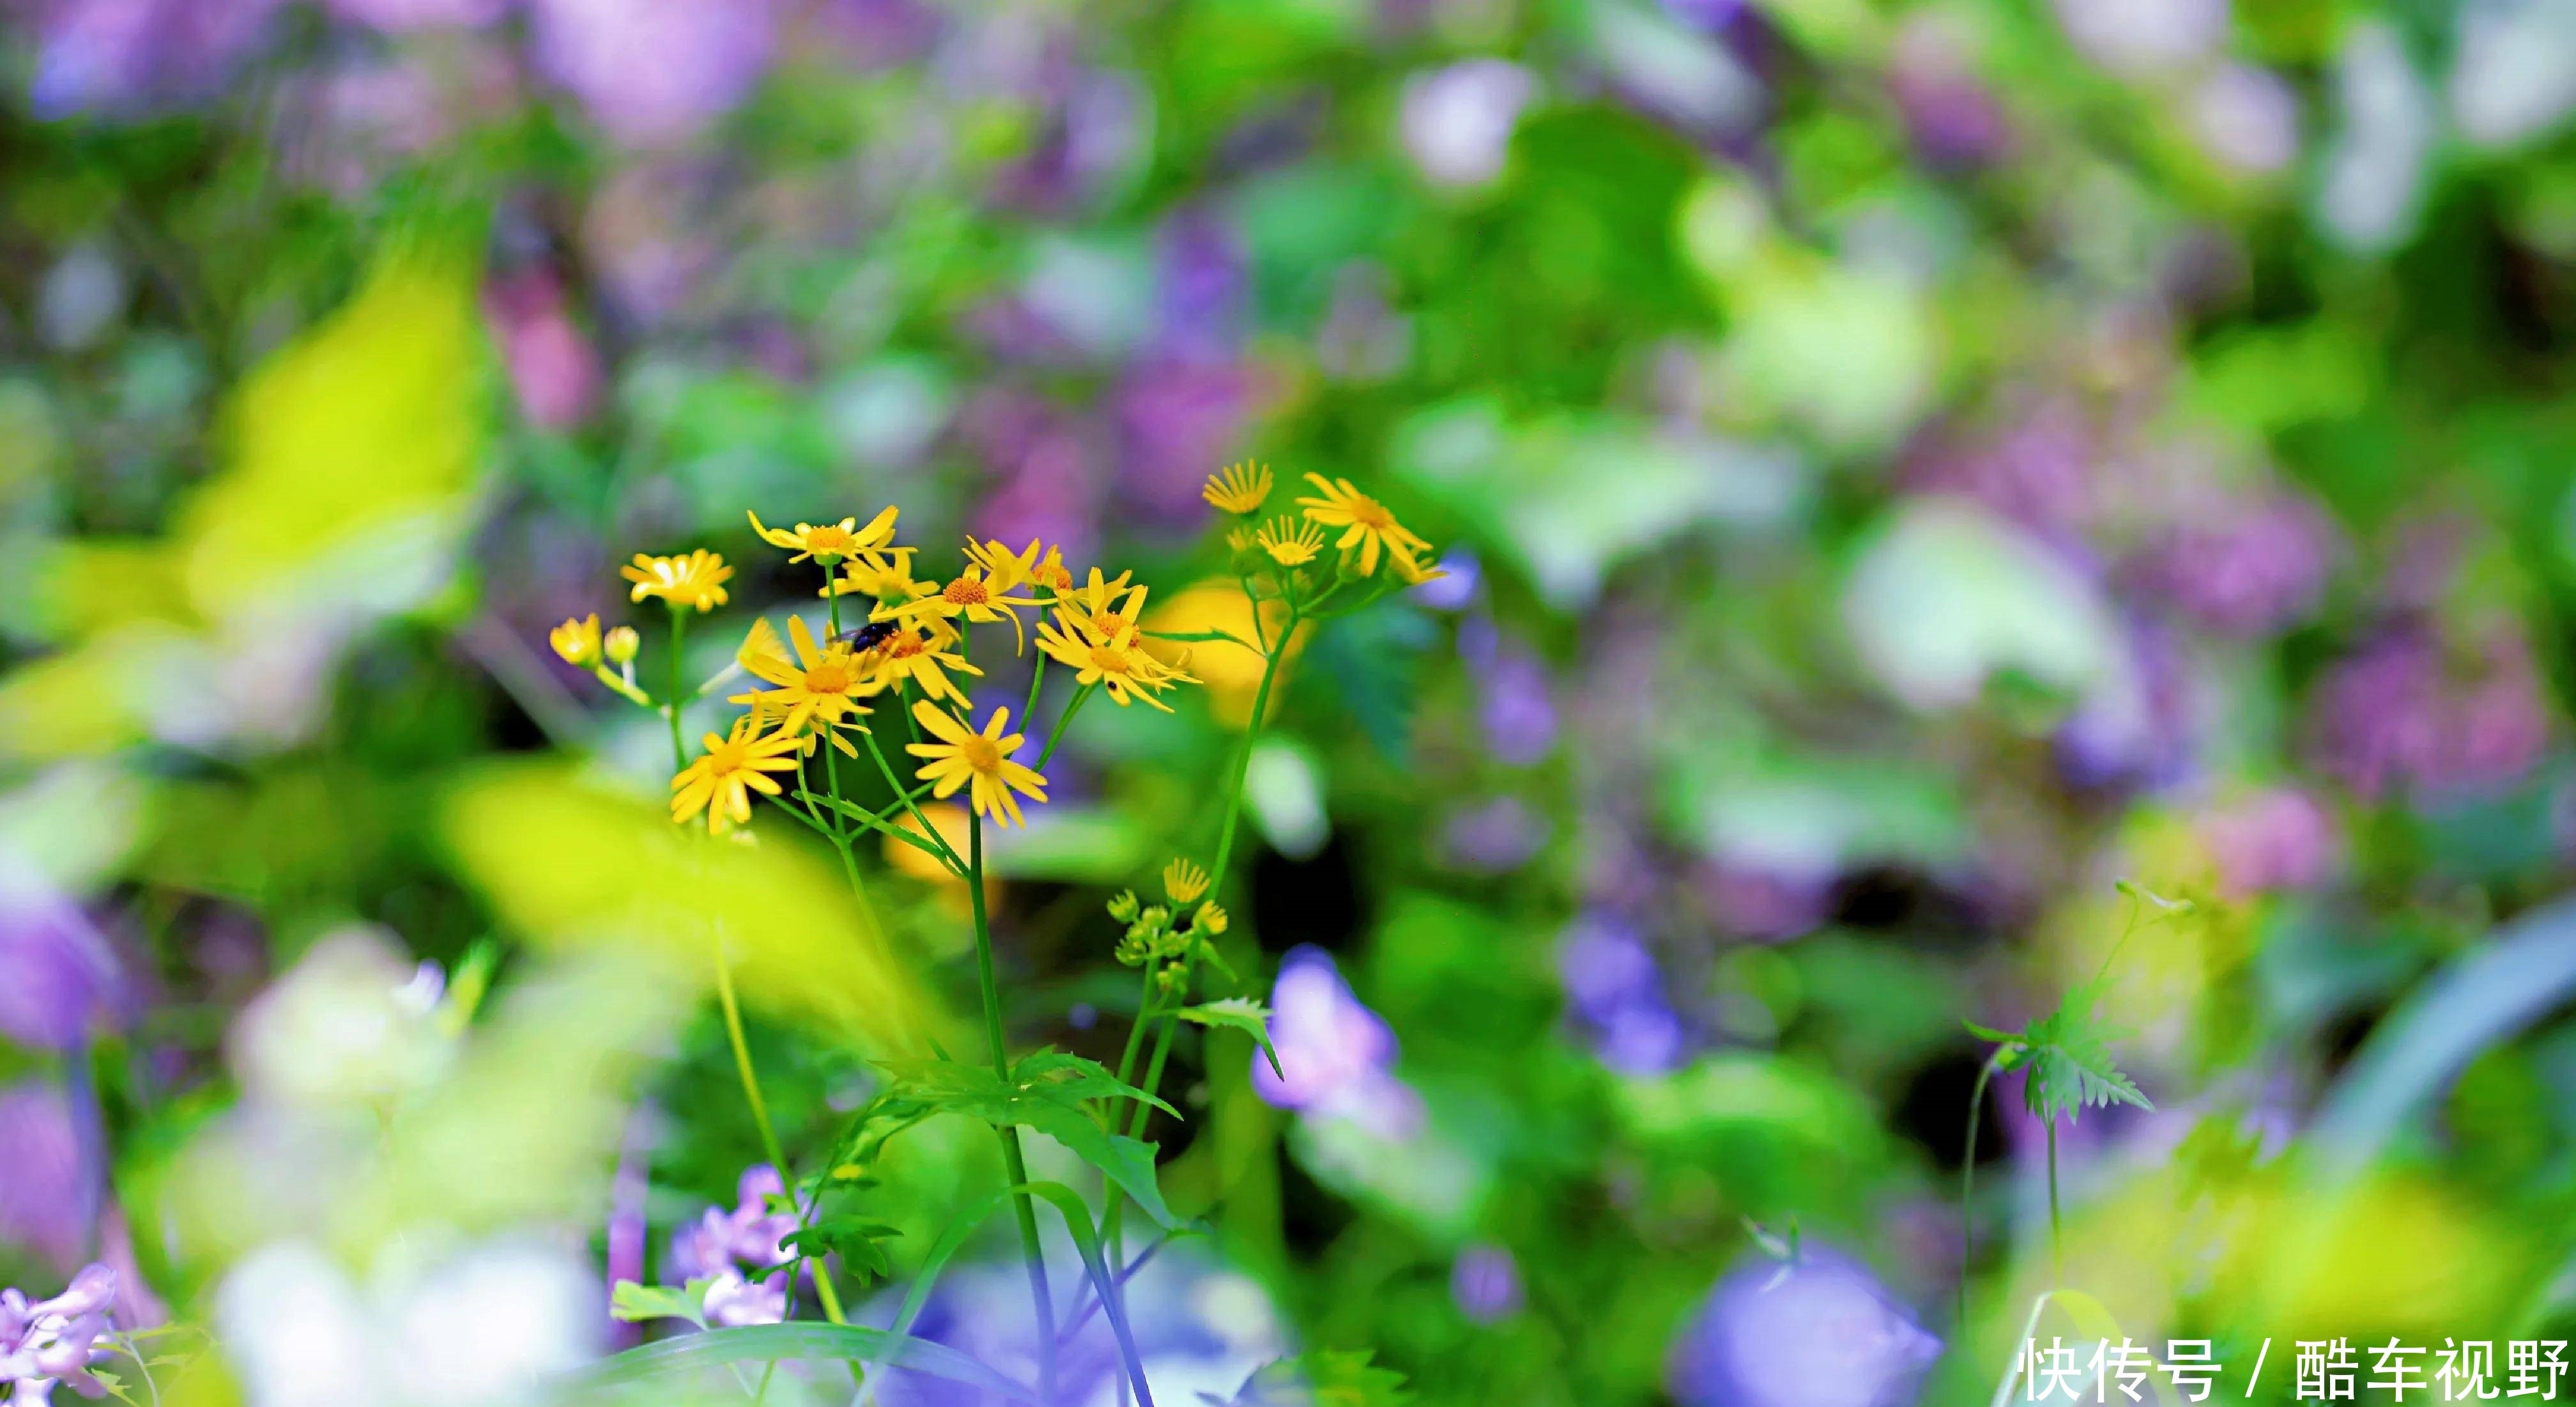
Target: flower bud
619, 645
1124, 907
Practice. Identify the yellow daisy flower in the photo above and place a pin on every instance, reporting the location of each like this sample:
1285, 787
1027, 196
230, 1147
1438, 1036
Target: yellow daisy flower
577, 641
721, 781
971, 595
695, 580
1005, 569
1238, 488
1209, 920
1052, 573
1112, 659
1097, 605
829, 542
819, 686
1414, 572
1184, 881
908, 655
1371, 529
1290, 542
885, 574
962, 756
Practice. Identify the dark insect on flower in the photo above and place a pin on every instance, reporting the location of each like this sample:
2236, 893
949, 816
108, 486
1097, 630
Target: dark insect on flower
867, 637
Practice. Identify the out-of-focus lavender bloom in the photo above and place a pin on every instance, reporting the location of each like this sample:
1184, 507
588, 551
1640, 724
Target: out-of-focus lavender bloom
1514, 704
126, 56
2138, 726
1176, 419
136, 1306
1709, 15
1458, 120
59, 979
1336, 1056
1615, 993
646, 239
398, 15
2247, 117
2246, 571
1818, 1332
1362, 339
1456, 589
1095, 131
2403, 713
2035, 470
2144, 36
873, 34
552, 366
49, 1178
733, 1301
1494, 837
2277, 838
1485, 1284
54, 1341
1202, 289
1954, 120
653, 71
1765, 902
1048, 487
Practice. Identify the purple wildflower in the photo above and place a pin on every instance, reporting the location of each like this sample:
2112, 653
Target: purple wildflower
721, 1245
1817, 1332
2036, 470
653, 71
1485, 1283
59, 979
2278, 838
2404, 713
1203, 292
1615, 993
397, 15
2248, 572
1338, 1056
55, 1341
49, 1184
128, 56
1954, 120
1493, 837
1518, 714
552, 366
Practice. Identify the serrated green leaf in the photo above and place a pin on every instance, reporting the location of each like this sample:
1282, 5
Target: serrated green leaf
773, 1343
1320, 1378
1238, 1014
854, 1239
636, 1303
1046, 1093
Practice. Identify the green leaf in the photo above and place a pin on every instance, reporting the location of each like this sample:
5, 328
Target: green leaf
1320, 1378
1238, 1014
636, 1303
854, 1239
2070, 1059
1989, 1033
1077, 1224
772, 1343
1046, 1093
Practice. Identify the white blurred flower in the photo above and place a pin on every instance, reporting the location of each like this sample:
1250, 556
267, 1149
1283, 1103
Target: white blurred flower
1947, 596
348, 1026
2374, 175
476, 1325
2144, 36
2247, 117
1458, 120
2514, 74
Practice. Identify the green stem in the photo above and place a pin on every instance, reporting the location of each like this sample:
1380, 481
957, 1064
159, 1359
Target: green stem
1968, 1182
947, 855
1012, 1163
679, 635
760, 1114
2056, 1252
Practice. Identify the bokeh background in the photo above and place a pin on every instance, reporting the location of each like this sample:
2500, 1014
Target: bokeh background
1904, 470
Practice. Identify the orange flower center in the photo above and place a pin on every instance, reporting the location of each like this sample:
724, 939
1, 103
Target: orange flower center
829, 538
981, 753
965, 591
902, 645
832, 676
1107, 660
1370, 514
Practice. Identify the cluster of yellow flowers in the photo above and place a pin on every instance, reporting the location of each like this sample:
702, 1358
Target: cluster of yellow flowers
913, 642
1370, 533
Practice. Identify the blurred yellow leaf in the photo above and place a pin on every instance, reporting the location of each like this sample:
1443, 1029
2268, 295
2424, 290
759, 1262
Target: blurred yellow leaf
350, 451
569, 864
